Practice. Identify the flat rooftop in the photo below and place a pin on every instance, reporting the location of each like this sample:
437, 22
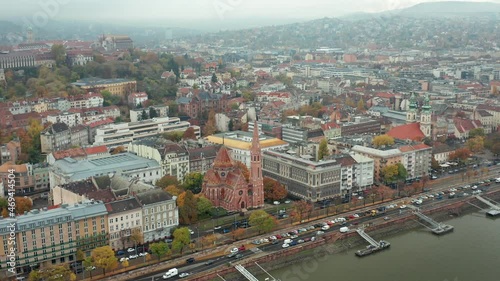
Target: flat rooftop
119, 163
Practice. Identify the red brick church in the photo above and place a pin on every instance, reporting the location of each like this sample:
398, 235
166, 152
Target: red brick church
226, 186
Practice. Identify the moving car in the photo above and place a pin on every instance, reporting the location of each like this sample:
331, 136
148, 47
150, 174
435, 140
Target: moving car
209, 262
184, 274
344, 229
170, 273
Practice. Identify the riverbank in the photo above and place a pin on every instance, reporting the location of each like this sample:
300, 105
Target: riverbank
307, 256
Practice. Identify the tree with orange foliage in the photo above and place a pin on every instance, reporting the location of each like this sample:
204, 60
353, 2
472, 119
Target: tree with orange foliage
273, 190
173, 190
244, 170
460, 154
238, 233
189, 134
23, 204
300, 209
118, 150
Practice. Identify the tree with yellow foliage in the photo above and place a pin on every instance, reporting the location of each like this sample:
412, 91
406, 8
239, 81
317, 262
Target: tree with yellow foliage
382, 140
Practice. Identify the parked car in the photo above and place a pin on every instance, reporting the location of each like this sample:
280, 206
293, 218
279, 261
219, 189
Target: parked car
276, 202
190, 260
123, 259
133, 257
242, 248
234, 250
130, 250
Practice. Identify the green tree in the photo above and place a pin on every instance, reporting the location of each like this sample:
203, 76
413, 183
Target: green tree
52, 273
193, 181
59, 53
187, 202
231, 125
152, 113
263, 221
204, 206
166, 181
80, 255
182, 237
159, 249
104, 257
109, 98
323, 149
214, 78
476, 132
144, 115
88, 263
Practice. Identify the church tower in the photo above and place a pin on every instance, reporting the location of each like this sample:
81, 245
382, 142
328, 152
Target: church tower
256, 179
411, 113
426, 118
30, 38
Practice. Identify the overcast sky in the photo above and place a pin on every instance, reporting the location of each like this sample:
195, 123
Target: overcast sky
195, 10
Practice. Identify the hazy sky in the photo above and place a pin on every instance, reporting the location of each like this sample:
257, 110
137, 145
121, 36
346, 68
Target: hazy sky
196, 10
203, 9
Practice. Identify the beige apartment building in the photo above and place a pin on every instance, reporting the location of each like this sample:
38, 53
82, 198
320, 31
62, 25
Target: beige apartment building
52, 236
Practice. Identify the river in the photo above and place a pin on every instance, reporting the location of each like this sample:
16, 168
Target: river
470, 253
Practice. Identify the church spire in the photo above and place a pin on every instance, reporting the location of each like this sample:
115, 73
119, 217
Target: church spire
256, 178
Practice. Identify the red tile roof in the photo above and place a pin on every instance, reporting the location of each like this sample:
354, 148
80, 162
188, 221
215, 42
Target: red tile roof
409, 131
96, 149
329, 126
223, 159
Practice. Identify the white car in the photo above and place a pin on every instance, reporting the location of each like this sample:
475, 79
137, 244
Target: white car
133, 257
190, 231
234, 250
402, 207
474, 187
355, 215
276, 202
130, 250
287, 202
285, 245
143, 254
325, 227
123, 259
184, 274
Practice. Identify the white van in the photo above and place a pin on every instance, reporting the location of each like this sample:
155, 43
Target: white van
344, 229
170, 273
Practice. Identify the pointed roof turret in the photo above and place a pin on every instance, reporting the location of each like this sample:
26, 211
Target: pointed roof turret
223, 159
426, 107
413, 101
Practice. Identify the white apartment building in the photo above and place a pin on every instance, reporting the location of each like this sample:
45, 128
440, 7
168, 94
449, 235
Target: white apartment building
363, 171
173, 158
69, 118
124, 133
89, 100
